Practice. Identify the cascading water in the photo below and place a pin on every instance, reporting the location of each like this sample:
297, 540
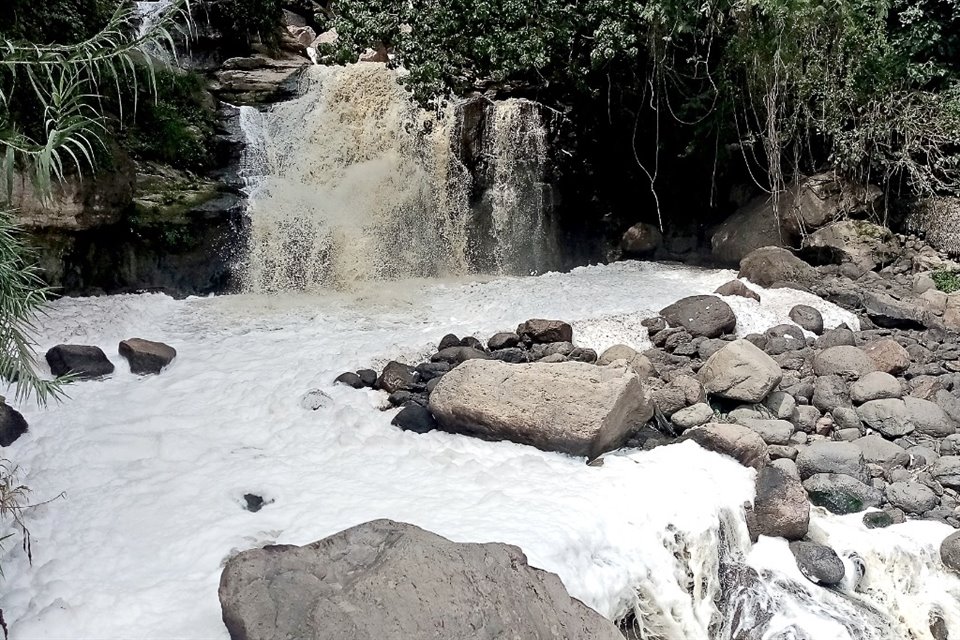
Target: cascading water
353, 181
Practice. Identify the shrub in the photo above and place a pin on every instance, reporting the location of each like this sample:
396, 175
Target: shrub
946, 281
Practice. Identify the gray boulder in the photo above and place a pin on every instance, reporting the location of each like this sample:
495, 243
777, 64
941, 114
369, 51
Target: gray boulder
808, 318
862, 243
846, 418
912, 497
878, 450
876, 385
826, 456
889, 417
751, 227
819, 563
572, 407
928, 418
888, 356
693, 416
81, 361
637, 361
830, 392
386, 580
839, 337
737, 288
740, 371
946, 471
780, 508
847, 362
772, 431
767, 266
740, 443
145, 356
841, 494
950, 551
539, 330
780, 404
706, 316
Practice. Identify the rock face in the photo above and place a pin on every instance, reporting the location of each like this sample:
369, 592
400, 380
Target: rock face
146, 357
571, 407
12, 425
740, 443
80, 360
864, 244
641, 239
385, 580
740, 371
772, 265
780, 508
706, 316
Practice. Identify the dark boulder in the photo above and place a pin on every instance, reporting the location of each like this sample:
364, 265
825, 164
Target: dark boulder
504, 340
641, 239
706, 316
79, 360
542, 331
458, 355
737, 288
368, 377
772, 265
397, 376
12, 425
416, 418
350, 379
808, 318
448, 340
819, 563
145, 356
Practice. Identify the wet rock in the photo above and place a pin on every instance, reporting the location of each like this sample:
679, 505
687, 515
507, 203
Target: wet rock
737, 288
654, 325
542, 331
349, 379
883, 519
145, 356
707, 316
253, 502
416, 418
950, 551
819, 563
79, 360
847, 362
808, 318
640, 240
471, 342
740, 443
912, 497
571, 407
771, 265
315, 399
888, 356
397, 376
390, 580
875, 385
457, 355
12, 424
403, 397
825, 456
430, 370
780, 508
841, 494
448, 341
740, 371
368, 377
503, 341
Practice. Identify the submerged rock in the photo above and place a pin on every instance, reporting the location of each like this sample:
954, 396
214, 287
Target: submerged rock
145, 356
394, 581
841, 494
81, 361
571, 407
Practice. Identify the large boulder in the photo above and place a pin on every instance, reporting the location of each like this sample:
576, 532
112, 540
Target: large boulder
822, 198
819, 563
706, 316
879, 450
397, 376
773, 265
950, 551
780, 508
740, 371
541, 331
637, 361
145, 356
572, 407
80, 361
641, 239
946, 471
847, 362
740, 443
888, 356
876, 385
840, 493
827, 456
751, 227
894, 418
386, 580
808, 318
865, 244
912, 497
12, 424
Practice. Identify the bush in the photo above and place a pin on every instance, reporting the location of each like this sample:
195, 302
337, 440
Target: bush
946, 281
240, 23
61, 21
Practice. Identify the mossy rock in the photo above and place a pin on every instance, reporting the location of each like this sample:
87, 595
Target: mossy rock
838, 502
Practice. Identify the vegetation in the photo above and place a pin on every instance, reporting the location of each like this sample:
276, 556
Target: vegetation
776, 87
242, 22
946, 280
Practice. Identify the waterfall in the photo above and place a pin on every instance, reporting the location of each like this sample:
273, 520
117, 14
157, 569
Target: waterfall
354, 181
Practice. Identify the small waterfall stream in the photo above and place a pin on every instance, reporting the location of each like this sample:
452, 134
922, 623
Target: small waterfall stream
353, 181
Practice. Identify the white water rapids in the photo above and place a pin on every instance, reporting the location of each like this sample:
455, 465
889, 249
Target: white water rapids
153, 470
